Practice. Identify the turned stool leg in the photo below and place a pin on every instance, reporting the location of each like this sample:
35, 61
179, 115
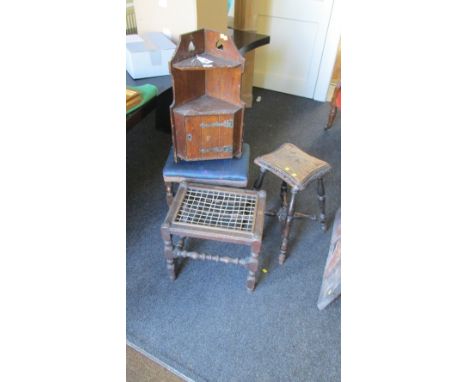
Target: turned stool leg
253, 266
169, 253
169, 193
321, 198
287, 226
284, 194
258, 183
180, 245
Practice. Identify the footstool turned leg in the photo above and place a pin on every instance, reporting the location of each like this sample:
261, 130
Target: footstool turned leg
253, 266
287, 226
169, 193
284, 194
181, 243
258, 183
168, 252
321, 198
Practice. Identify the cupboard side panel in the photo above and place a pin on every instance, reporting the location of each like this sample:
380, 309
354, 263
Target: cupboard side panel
224, 84
178, 135
238, 133
187, 85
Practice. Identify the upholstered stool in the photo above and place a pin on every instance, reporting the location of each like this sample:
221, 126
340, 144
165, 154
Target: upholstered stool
223, 172
215, 213
297, 169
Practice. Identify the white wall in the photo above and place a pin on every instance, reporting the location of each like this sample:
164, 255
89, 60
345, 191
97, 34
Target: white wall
170, 17
176, 17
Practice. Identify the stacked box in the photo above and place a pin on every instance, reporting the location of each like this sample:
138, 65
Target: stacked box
149, 55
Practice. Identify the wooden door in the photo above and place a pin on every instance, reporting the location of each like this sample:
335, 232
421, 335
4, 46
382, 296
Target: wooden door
298, 30
209, 136
226, 139
194, 135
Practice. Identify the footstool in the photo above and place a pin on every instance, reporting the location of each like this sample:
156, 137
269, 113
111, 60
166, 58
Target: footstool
215, 213
221, 172
296, 169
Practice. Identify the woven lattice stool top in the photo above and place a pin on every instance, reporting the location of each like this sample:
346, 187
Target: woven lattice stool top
217, 208
294, 166
217, 211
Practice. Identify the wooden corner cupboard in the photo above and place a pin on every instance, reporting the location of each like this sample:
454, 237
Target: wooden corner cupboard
207, 113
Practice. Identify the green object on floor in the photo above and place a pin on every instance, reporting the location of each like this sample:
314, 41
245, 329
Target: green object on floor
146, 91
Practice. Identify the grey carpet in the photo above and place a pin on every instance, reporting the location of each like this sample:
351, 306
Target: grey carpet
205, 324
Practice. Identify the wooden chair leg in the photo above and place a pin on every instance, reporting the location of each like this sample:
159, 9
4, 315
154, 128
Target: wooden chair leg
287, 226
169, 193
331, 117
321, 198
169, 253
259, 181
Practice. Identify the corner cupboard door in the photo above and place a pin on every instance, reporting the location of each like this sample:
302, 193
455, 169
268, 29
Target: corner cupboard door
209, 137
194, 135
216, 135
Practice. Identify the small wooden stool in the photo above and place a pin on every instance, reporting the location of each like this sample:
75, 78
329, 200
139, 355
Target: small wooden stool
221, 172
297, 169
215, 213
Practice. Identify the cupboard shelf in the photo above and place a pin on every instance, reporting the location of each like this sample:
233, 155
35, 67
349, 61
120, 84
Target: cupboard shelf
193, 63
206, 105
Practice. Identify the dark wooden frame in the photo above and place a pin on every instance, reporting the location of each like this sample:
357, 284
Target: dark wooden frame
252, 239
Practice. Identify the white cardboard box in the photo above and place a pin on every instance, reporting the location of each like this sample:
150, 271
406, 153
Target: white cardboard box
148, 55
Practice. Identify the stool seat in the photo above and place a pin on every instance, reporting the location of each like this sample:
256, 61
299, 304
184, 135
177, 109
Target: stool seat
229, 172
292, 165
